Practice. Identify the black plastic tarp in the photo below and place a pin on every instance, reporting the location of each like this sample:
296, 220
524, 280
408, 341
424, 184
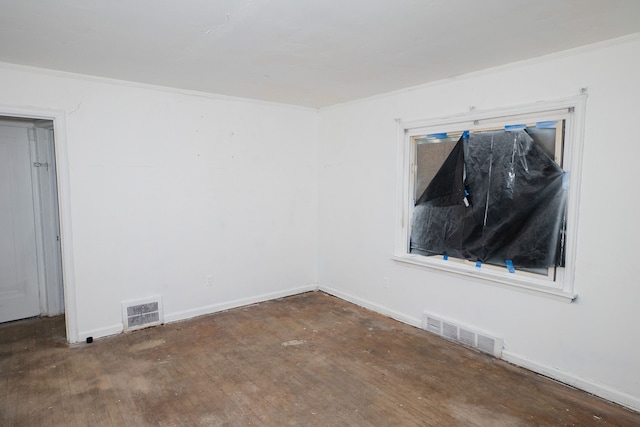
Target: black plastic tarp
497, 197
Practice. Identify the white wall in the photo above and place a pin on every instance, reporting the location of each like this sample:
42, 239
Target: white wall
169, 187
592, 342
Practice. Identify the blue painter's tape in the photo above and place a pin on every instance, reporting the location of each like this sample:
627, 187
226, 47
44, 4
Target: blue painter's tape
445, 257
546, 125
510, 266
566, 180
465, 134
437, 136
478, 265
511, 128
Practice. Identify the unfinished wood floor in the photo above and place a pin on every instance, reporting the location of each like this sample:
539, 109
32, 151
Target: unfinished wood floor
306, 360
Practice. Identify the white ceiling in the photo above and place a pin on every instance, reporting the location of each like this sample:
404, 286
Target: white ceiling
306, 52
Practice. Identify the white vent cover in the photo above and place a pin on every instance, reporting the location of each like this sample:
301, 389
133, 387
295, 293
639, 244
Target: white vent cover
455, 331
142, 313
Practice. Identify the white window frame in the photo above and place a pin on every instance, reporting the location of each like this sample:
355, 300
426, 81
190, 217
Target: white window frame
573, 111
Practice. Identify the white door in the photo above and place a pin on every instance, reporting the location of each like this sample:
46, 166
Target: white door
47, 220
19, 287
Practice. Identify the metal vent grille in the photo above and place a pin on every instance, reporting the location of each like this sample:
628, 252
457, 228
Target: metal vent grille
486, 344
467, 337
457, 332
141, 313
449, 331
434, 325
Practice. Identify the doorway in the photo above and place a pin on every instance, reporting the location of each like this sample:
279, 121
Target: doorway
31, 273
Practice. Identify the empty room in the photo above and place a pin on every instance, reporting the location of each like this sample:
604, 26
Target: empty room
319, 213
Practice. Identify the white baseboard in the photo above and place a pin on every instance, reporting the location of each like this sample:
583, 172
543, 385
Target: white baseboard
589, 386
100, 332
373, 306
209, 309
187, 314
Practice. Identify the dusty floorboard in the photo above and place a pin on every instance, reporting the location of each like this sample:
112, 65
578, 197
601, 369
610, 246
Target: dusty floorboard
307, 360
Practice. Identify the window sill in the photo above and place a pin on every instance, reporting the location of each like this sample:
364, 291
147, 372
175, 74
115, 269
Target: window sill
512, 281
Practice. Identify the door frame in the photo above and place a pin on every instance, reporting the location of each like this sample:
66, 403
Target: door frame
64, 204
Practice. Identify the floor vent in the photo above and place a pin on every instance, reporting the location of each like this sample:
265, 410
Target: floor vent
487, 343
142, 313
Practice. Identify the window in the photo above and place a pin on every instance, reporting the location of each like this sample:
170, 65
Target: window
493, 195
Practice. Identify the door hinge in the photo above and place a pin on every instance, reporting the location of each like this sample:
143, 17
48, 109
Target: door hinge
40, 165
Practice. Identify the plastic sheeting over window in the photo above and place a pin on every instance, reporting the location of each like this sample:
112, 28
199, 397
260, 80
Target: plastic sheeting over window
498, 198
